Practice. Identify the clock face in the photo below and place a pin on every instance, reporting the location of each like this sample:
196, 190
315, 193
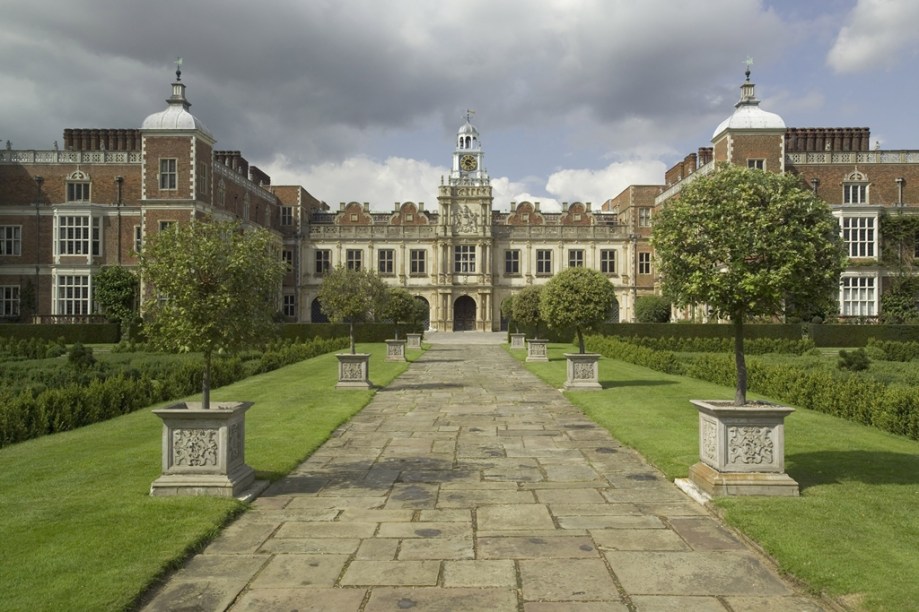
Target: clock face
468, 163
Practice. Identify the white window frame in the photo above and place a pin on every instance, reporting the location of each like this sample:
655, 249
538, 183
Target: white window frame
860, 236
858, 296
9, 301
464, 259
73, 294
169, 173
756, 163
79, 191
11, 240
288, 256
78, 235
138, 238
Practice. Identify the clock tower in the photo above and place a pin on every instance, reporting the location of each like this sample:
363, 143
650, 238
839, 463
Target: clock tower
468, 157
465, 243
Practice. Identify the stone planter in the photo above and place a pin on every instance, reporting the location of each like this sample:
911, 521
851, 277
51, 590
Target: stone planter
537, 350
742, 450
204, 450
583, 371
517, 341
353, 371
413, 341
395, 350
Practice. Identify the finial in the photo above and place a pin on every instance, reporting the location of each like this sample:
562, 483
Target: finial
748, 62
469, 114
55, 145
178, 69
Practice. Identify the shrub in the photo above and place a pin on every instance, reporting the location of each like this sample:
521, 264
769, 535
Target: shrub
854, 361
652, 309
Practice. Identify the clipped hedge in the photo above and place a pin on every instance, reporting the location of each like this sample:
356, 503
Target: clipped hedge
893, 408
753, 346
363, 332
36, 412
858, 335
699, 330
87, 333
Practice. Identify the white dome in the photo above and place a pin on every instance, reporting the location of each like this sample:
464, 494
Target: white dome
469, 129
176, 115
750, 117
174, 118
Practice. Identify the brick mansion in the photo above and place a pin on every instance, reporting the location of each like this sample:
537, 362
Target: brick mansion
92, 202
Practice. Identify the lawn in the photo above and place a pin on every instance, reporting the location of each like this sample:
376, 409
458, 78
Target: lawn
854, 532
80, 531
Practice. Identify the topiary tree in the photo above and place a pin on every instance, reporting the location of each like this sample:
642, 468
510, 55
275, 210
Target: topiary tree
526, 307
399, 305
652, 309
115, 290
420, 313
579, 298
216, 288
351, 296
744, 242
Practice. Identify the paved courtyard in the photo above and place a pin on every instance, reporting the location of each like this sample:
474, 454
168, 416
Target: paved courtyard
468, 484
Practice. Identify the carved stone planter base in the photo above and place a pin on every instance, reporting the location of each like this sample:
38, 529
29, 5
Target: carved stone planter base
413, 341
517, 341
204, 450
718, 484
537, 350
742, 450
353, 371
395, 350
583, 371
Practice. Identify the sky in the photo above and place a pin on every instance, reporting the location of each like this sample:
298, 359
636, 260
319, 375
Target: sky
360, 100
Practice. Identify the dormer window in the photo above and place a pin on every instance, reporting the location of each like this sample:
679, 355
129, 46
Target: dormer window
855, 189
78, 187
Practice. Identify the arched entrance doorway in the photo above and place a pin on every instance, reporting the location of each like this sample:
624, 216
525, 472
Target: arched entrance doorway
613, 315
464, 314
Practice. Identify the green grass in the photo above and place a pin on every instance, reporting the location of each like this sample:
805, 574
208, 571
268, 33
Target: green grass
853, 533
79, 529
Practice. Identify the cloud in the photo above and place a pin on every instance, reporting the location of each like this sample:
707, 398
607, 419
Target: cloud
598, 186
361, 179
878, 34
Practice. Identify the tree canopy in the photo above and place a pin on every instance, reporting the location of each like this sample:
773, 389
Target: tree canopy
525, 307
115, 291
744, 242
579, 298
348, 295
399, 306
215, 287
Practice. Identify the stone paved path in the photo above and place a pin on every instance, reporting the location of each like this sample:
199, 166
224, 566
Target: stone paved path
468, 484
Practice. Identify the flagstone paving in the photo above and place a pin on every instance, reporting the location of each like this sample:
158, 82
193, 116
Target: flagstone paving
468, 484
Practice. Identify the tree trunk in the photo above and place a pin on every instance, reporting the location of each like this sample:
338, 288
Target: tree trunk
396, 325
206, 383
351, 335
740, 394
580, 339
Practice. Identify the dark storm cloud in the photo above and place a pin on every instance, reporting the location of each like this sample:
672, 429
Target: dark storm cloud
317, 80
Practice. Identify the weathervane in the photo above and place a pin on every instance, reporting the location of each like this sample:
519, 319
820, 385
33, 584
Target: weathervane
748, 62
178, 68
469, 114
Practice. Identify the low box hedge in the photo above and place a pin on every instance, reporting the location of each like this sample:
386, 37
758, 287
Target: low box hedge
87, 333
